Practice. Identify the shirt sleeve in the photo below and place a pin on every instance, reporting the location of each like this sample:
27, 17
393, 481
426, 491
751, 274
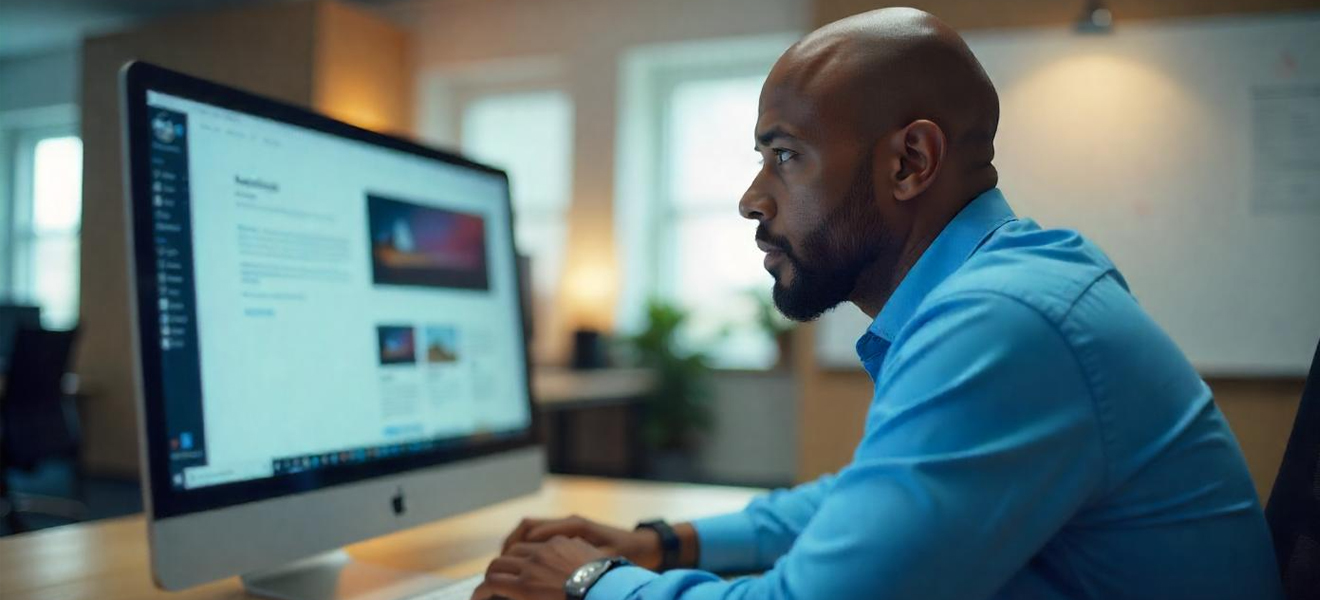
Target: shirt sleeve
981, 443
754, 538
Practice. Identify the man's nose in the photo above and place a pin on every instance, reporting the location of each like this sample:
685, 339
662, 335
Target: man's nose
756, 204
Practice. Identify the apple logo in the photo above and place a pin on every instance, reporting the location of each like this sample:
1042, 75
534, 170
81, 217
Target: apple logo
398, 503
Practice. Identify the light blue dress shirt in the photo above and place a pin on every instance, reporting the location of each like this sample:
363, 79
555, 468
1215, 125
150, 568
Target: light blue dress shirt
1033, 434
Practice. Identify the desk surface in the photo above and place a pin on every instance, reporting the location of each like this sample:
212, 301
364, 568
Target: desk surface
107, 560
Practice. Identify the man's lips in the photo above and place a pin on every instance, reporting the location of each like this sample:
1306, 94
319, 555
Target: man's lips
773, 254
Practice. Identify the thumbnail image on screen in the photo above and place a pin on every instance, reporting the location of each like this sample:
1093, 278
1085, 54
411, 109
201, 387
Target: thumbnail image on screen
398, 344
417, 245
441, 344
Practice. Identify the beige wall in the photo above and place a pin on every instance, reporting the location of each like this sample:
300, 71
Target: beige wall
833, 403
287, 51
363, 69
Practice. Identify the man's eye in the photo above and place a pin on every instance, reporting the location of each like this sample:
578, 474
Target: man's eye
783, 155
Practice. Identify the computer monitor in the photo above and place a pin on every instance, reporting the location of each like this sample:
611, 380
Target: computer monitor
328, 333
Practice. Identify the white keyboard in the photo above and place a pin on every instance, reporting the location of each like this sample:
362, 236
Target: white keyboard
458, 590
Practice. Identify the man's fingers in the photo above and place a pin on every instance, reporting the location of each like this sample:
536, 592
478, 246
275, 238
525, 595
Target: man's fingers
506, 565
522, 550
519, 533
565, 527
500, 585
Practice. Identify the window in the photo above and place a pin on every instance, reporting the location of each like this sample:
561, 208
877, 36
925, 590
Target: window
715, 263
530, 135
685, 156
44, 201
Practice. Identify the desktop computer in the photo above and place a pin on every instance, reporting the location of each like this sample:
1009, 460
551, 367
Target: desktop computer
328, 336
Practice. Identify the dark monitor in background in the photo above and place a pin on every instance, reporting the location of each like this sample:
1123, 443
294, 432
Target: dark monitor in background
12, 318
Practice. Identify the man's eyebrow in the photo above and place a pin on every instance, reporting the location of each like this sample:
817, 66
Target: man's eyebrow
764, 138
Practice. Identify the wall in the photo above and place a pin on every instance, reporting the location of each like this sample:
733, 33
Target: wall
364, 69
38, 80
754, 430
275, 50
833, 402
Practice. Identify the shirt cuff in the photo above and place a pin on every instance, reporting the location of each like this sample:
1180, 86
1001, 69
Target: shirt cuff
620, 583
726, 543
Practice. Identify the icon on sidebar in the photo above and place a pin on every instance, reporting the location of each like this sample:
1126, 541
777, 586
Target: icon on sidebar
163, 128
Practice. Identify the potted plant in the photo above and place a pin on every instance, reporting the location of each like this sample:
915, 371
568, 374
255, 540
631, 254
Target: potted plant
677, 410
775, 325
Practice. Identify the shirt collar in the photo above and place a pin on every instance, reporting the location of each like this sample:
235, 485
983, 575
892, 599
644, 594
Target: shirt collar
951, 248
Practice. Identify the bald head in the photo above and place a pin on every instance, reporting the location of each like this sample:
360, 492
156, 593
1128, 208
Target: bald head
874, 132
879, 70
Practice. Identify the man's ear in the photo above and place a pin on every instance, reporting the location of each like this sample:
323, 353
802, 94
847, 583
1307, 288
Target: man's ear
918, 153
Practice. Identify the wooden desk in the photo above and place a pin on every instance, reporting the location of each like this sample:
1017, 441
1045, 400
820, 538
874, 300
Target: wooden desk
107, 560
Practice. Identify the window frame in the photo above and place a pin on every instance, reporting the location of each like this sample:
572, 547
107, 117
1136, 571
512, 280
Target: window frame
20, 131
645, 209
464, 99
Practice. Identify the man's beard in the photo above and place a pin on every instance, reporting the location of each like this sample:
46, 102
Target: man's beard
849, 240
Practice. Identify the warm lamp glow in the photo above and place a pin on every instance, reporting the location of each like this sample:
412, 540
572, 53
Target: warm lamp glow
1105, 108
358, 96
589, 289
357, 111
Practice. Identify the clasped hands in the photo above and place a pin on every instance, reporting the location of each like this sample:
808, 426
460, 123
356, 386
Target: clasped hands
540, 555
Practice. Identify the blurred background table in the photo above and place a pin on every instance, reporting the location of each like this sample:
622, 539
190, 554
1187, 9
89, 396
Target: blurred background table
591, 420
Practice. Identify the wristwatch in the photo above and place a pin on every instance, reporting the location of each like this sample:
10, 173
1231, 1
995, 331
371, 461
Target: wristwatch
580, 582
670, 545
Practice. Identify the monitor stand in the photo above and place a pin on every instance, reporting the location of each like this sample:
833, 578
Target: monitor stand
336, 576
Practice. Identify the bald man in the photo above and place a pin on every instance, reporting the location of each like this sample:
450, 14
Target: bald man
1033, 434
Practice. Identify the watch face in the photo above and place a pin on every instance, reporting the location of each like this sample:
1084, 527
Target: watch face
582, 579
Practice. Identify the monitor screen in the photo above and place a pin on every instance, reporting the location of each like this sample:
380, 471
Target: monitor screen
327, 308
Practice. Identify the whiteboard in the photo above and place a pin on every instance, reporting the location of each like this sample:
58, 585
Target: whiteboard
1146, 140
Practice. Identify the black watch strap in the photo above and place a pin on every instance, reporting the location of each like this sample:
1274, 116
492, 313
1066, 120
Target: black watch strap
670, 545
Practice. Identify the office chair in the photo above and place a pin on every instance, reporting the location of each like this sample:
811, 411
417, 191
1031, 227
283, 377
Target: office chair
1294, 508
12, 318
38, 422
